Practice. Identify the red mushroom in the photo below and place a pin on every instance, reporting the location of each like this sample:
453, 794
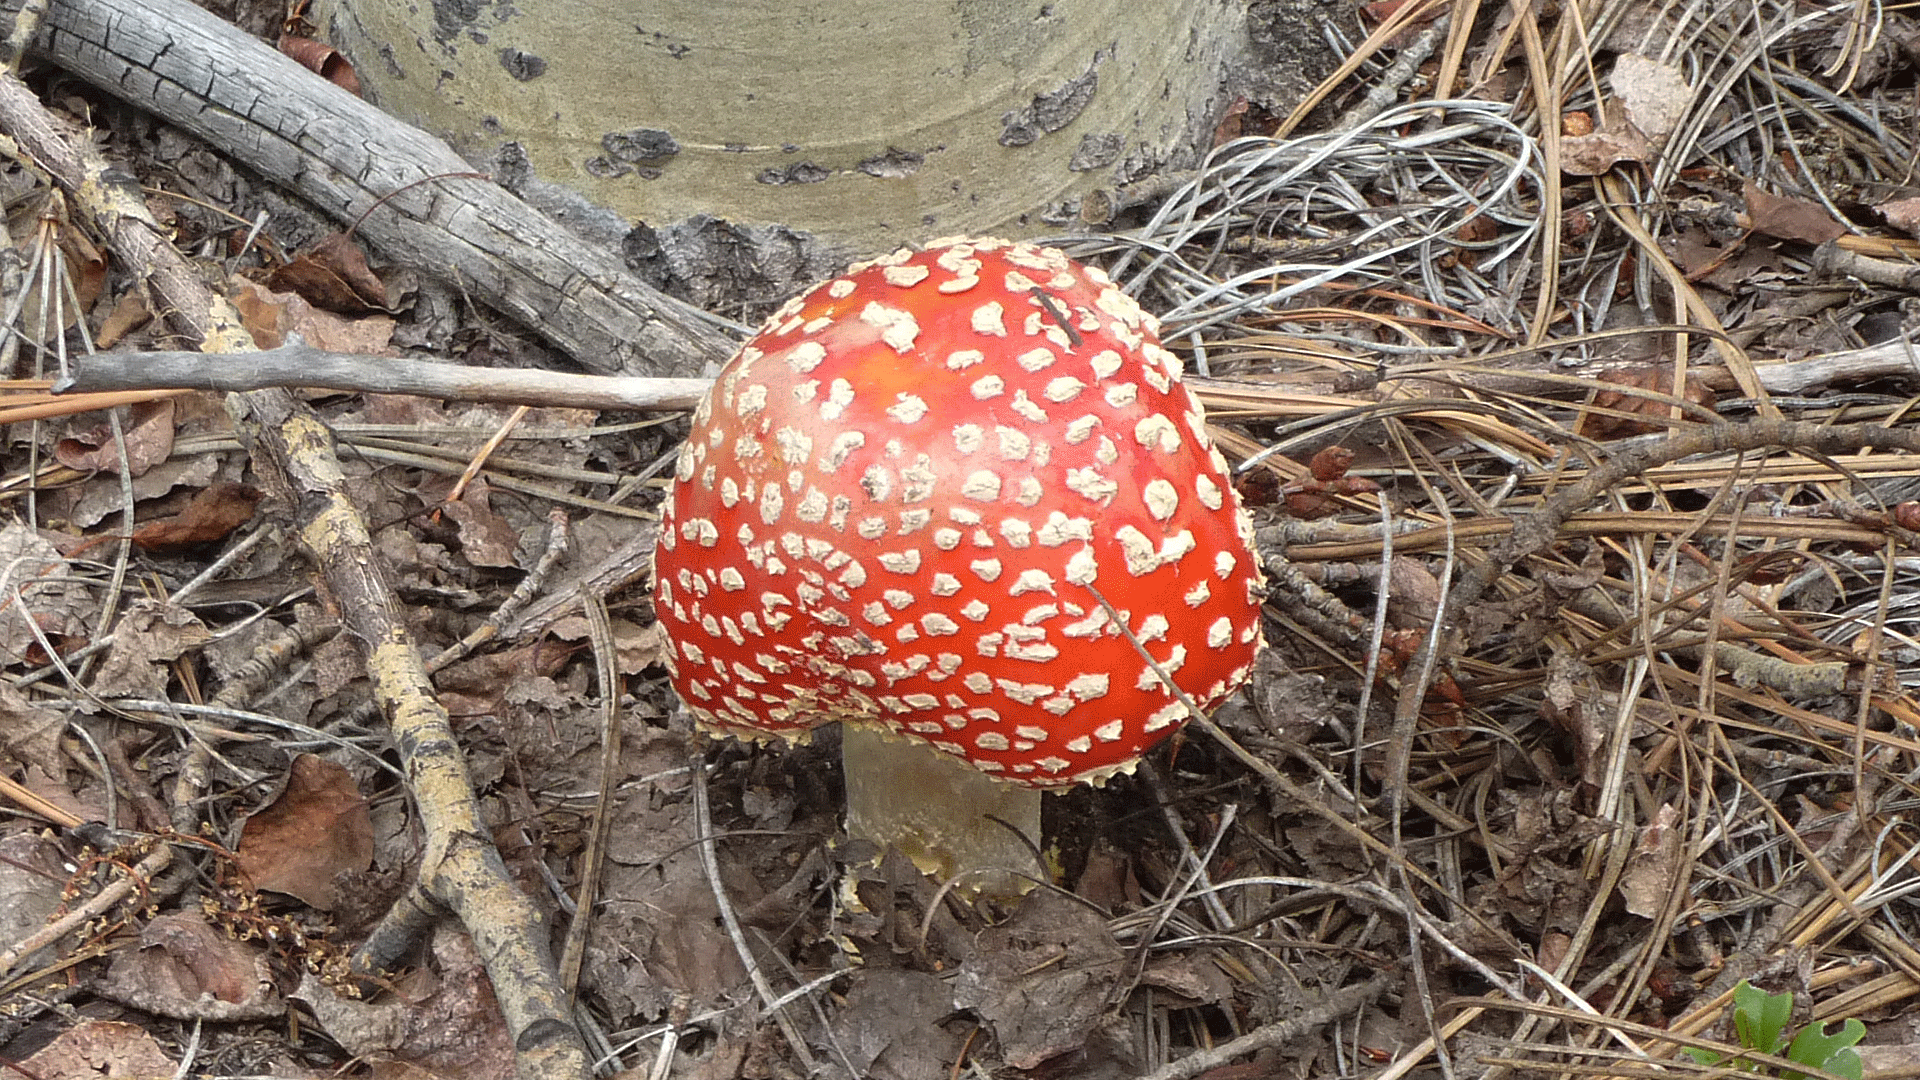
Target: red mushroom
899, 500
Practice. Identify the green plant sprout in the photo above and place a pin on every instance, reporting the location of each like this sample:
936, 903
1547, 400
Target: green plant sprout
1760, 1022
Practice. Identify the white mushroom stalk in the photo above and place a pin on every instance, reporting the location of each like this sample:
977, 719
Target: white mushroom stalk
897, 501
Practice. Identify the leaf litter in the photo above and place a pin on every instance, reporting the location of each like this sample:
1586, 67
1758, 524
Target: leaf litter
1672, 745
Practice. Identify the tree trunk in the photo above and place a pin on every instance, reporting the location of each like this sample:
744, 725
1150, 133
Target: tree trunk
809, 131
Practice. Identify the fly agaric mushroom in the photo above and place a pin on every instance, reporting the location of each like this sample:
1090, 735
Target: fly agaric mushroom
901, 506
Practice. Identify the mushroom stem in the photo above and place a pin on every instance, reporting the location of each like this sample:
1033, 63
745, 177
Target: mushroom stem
940, 813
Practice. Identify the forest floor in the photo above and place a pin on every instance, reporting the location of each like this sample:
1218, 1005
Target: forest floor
1619, 399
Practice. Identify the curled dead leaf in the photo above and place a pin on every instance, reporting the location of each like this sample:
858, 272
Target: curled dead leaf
148, 434
214, 513
84, 266
271, 317
187, 969
1902, 214
321, 59
1258, 487
1331, 463
1591, 155
333, 275
100, 1048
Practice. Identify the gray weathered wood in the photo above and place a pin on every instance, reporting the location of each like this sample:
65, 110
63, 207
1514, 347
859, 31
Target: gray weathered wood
303, 365
343, 155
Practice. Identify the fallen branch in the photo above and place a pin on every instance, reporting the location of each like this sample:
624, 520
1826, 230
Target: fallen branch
302, 365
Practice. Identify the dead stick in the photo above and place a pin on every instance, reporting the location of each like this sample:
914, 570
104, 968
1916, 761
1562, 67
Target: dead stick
1331, 1008
302, 365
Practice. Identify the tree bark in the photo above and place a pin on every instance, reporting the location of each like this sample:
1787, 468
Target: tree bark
759, 144
360, 165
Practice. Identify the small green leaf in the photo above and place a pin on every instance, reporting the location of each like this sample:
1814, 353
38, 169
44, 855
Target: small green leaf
1829, 1053
1704, 1057
1761, 1018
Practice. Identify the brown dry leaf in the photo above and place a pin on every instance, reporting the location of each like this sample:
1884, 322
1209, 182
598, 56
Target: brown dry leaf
486, 539
1415, 593
1331, 463
656, 932
52, 789
1591, 155
146, 642
1651, 870
1476, 231
490, 675
637, 647
316, 829
1311, 505
1232, 123
1703, 258
187, 970
87, 266
100, 1050
1902, 214
321, 59
1653, 94
1567, 701
30, 735
129, 313
337, 664
444, 1020
890, 1025
95, 502
333, 275
33, 873
272, 317
216, 511
1041, 978
1107, 880
1191, 975
1657, 378
1789, 218
149, 438
32, 878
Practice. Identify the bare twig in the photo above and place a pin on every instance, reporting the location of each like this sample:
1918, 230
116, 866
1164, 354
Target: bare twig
299, 364
1335, 1005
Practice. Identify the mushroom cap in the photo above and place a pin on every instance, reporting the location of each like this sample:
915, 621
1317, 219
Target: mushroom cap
898, 500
